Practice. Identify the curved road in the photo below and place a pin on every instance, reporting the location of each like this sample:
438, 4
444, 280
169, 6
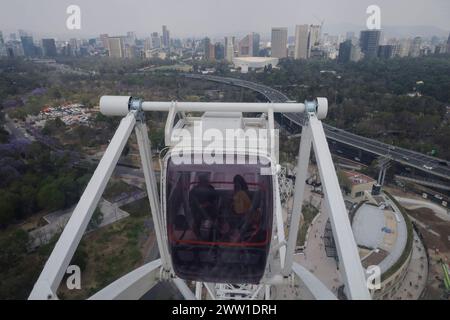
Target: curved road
404, 156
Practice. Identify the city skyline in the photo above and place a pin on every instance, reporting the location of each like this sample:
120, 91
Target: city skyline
200, 18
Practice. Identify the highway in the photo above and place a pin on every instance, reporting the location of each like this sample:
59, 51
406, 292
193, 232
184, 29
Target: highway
404, 156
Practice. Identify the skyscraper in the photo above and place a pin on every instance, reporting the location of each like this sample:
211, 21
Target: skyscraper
131, 38
156, 40
104, 39
314, 35
116, 47
165, 37
279, 42
246, 46
369, 41
49, 47
414, 51
345, 51
301, 42
229, 48
219, 51
386, 51
29, 49
2, 41
255, 39
448, 44
208, 49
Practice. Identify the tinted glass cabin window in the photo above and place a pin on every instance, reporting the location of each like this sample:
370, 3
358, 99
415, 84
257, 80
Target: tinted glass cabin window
219, 221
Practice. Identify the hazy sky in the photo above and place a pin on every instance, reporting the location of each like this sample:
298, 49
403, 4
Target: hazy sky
212, 17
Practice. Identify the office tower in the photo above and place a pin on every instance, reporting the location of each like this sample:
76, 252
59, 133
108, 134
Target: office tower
148, 44
219, 51
49, 47
414, 51
29, 49
314, 36
301, 42
156, 40
279, 42
3, 51
229, 48
386, 51
369, 41
256, 39
104, 40
131, 38
345, 51
405, 45
165, 37
116, 47
12, 37
208, 49
448, 44
246, 46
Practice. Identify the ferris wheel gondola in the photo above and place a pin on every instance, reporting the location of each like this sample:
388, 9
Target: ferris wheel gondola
217, 217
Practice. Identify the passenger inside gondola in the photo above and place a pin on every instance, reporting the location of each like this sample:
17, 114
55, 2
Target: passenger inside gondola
219, 221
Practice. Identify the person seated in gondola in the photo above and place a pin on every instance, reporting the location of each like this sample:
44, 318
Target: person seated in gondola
203, 200
247, 209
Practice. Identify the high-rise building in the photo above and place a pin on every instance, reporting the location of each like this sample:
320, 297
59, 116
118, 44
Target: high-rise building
448, 44
348, 52
219, 51
229, 48
116, 47
246, 46
49, 47
255, 39
345, 51
301, 42
208, 49
165, 37
148, 44
314, 35
156, 40
104, 40
3, 50
369, 41
131, 38
405, 45
386, 51
279, 42
414, 50
28, 46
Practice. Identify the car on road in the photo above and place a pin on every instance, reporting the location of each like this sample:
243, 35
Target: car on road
391, 148
405, 158
428, 167
443, 163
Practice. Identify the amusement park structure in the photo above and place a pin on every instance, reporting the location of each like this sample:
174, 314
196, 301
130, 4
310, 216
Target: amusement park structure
219, 225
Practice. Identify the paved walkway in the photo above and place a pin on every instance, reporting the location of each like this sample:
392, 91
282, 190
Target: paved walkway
416, 277
314, 257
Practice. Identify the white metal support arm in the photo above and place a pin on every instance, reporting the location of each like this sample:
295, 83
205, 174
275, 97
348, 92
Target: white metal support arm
353, 271
56, 265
